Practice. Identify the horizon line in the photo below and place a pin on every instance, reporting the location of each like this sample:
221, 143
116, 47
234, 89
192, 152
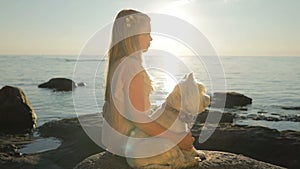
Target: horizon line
72, 55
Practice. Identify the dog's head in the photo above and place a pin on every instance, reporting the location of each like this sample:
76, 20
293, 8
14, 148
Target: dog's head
189, 96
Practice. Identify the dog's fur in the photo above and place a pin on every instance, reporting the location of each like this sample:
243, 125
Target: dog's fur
167, 115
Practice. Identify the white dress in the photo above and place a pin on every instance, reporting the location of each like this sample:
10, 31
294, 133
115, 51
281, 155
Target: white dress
117, 111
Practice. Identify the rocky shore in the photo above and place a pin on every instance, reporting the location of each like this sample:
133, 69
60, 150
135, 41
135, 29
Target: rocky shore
230, 146
214, 160
76, 146
268, 145
246, 146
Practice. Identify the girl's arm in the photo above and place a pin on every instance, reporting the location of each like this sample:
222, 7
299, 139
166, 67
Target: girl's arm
142, 103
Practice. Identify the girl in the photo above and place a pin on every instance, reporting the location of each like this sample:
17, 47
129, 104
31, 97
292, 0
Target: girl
128, 85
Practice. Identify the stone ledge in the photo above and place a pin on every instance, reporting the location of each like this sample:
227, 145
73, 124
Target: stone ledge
215, 160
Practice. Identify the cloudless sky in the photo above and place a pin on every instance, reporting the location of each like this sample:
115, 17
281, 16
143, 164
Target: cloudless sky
234, 27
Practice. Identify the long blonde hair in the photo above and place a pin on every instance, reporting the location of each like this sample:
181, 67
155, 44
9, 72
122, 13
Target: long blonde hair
124, 40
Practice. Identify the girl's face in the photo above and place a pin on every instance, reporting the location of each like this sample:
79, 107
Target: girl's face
145, 38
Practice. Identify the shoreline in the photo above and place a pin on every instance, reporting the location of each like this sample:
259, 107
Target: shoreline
255, 142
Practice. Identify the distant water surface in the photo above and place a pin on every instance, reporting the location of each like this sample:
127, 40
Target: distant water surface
272, 82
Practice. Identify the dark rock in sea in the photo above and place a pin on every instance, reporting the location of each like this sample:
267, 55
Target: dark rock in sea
273, 117
268, 145
290, 108
225, 117
243, 108
214, 160
266, 118
16, 111
262, 112
59, 84
294, 118
229, 100
81, 84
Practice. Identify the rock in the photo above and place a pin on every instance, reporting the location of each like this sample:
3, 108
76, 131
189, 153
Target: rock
81, 84
103, 160
76, 144
214, 160
272, 117
221, 160
263, 144
294, 118
16, 111
232, 99
226, 117
243, 108
75, 147
59, 84
262, 112
268, 145
266, 118
290, 108
11, 149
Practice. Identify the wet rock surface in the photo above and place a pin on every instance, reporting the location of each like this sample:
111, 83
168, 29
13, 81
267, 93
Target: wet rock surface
271, 117
225, 117
261, 144
214, 160
75, 147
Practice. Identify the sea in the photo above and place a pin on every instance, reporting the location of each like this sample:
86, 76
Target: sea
273, 82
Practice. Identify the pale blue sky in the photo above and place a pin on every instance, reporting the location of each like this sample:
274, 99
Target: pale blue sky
234, 27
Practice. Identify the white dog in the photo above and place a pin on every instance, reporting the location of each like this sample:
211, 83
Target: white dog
186, 100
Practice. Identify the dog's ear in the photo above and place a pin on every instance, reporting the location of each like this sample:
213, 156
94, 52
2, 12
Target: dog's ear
191, 76
185, 77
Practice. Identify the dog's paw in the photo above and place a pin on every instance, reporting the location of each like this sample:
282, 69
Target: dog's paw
198, 159
201, 155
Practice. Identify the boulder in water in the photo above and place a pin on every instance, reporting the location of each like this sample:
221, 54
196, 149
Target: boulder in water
230, 100
59, 84
16, 111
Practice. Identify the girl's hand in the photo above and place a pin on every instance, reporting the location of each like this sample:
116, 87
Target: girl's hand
187, 142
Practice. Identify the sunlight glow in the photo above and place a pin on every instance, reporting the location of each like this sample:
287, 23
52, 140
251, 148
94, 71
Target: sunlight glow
163, 84
177, 9
169, 45
168, 83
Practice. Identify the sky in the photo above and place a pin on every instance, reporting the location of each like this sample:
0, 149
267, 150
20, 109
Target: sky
233, 27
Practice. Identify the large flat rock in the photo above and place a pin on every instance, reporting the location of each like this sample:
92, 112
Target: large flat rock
269, 145
215, 160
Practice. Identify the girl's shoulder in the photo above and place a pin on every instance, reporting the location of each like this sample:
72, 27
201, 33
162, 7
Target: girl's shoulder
129, 64
147, 81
